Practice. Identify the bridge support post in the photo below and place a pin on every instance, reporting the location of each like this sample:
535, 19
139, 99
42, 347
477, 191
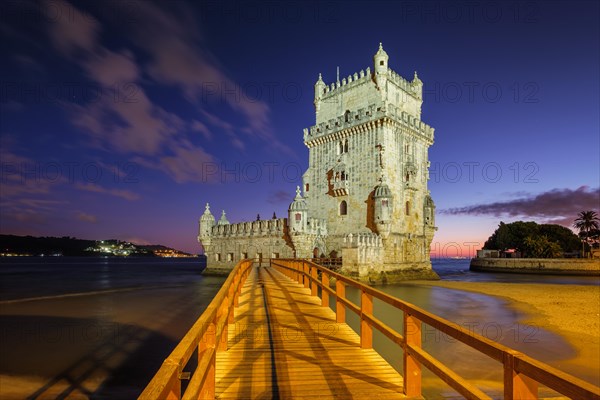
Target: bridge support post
223, 314
207, 343
412, 368
516, 385
306, 269
366, 331
231, 299
340, 308
313, 283
324, 292
298, 268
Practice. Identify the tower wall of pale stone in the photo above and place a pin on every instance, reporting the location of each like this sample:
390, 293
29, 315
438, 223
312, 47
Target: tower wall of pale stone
228, 244
224, 253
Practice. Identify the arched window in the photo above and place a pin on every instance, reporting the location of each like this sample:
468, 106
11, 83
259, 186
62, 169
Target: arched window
407, 177
298, 217
347, 115
306, 187
384, 203
341, 148
408, 208
343, 207
346, 146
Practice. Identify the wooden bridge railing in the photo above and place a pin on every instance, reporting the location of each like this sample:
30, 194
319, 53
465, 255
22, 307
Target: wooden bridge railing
207, 336
521, 372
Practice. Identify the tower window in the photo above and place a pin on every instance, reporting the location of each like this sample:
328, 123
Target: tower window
408, 208
381, 62
344, 146
384, 203
306, 187
343, 208
298, 216
407, 177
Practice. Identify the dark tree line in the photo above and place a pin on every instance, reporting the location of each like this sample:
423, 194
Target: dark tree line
65, 245
534, 240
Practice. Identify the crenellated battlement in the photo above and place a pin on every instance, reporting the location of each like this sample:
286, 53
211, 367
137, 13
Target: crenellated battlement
247, 229
316, 226
412, 88
362, 116
349, 82
362, 240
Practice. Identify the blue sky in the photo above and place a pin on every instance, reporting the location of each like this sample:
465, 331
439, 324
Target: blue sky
122, 118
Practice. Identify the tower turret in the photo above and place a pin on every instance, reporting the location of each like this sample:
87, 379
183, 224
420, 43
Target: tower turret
319, 91
298, 213
383, 204
380, 59
207, 221
417, 86
429, 212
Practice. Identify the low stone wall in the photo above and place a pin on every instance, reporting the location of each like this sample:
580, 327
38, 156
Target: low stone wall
390, 273
551, 266
216, 271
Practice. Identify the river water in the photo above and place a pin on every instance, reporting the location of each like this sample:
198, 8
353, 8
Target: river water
100, 328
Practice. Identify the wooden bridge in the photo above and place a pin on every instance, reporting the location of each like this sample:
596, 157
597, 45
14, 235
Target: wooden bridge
270, 333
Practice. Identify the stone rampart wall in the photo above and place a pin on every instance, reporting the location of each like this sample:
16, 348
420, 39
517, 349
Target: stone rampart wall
555, 266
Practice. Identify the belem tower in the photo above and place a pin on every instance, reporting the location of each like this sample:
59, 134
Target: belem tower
364, 196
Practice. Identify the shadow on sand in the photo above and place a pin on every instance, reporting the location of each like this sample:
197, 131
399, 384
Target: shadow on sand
78, 358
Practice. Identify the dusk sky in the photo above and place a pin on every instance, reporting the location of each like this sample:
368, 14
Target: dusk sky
121, 119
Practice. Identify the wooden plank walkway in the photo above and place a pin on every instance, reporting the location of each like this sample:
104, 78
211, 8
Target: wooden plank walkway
284, 344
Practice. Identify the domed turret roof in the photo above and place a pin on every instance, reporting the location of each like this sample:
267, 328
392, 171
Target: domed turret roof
223, 219
381, 52
207, 216
382, 190
320, 80
299, 204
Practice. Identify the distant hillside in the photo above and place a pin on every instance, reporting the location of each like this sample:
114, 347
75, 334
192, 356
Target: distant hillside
70, 246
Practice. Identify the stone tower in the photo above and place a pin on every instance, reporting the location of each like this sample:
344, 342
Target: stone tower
364, 195
368, 171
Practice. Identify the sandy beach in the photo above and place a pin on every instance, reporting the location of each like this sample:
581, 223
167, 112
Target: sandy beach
572, 311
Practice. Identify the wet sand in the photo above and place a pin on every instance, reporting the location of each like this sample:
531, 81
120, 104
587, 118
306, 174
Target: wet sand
103, 346
572, 311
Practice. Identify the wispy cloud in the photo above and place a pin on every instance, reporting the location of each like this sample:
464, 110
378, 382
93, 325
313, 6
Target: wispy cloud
557, 205
72, 30
124, 119
180, 57
198, 126
94, 188
84, 217
280, 196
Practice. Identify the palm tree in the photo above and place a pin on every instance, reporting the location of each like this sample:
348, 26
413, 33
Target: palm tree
587, 222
